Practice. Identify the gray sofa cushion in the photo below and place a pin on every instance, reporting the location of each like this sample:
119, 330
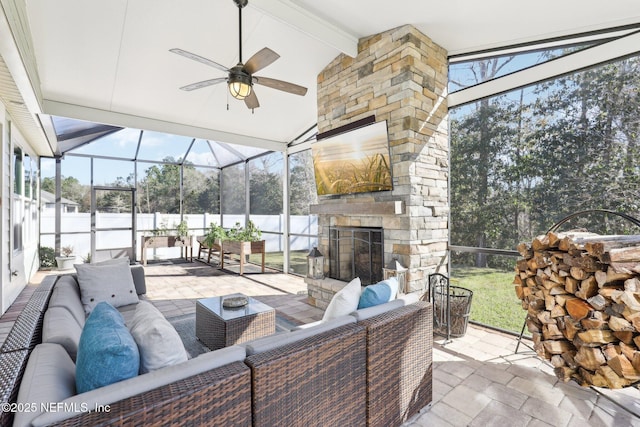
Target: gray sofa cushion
60, 327
412, 297
137, 272
366, 313
48, 378
124, 389
66, 293
260, 345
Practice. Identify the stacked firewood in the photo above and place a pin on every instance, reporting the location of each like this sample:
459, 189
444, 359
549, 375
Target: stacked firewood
581, 292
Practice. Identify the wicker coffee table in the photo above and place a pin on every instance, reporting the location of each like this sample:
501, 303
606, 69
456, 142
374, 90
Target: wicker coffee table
218, 326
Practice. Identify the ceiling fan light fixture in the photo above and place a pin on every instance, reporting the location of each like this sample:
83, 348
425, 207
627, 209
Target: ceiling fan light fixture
239, 86
240, 78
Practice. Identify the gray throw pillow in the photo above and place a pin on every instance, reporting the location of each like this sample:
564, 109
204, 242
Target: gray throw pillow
158, 342
110, 283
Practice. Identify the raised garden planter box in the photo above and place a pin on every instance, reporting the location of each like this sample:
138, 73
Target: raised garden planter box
150, 242
242, 249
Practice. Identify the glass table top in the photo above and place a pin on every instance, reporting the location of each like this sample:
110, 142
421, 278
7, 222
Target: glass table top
215, 305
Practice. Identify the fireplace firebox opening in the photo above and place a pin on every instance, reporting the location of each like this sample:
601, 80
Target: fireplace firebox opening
356, 252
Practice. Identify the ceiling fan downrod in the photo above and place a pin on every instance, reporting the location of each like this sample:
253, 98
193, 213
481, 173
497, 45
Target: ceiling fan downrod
240, 4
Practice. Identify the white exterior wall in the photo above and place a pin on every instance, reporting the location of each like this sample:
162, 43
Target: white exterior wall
17, 267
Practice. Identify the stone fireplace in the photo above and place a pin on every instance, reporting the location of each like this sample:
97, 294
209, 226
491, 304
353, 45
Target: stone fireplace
399, 76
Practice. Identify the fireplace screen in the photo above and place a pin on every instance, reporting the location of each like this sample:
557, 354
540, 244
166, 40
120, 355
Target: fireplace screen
356, 252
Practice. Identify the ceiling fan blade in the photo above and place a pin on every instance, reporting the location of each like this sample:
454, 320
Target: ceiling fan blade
199, 59
252, 100
280, 85
260, 60
204, 83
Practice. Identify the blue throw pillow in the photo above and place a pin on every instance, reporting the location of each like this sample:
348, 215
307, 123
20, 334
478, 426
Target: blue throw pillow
375, 295
107, 352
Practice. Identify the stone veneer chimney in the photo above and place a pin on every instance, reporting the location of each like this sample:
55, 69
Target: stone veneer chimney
399, 76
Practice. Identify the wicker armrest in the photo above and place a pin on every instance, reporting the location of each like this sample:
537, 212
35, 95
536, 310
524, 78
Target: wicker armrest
12, 366
40, 298
318, 381
25, 333
399, 363
219, 397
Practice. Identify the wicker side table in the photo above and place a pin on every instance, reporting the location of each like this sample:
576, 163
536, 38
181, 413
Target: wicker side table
218, 326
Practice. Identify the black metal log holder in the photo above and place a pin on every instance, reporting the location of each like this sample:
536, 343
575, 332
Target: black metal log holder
555, 227
450, 317
439, 296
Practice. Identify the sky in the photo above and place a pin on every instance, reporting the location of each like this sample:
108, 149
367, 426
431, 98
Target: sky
154, 146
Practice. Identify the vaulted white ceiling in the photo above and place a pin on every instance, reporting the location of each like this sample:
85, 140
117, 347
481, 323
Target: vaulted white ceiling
109, 61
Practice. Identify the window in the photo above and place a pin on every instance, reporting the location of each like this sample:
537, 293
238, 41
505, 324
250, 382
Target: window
18, 205
18, 178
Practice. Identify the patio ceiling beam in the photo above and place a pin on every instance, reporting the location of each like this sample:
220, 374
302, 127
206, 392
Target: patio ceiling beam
99, 129
96, 115
306, 22
605, 52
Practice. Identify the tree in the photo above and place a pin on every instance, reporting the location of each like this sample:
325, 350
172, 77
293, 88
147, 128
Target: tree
159, 190
477, 144
115, 201
302, 187
233, 190
523, 160
265, 185
71, 189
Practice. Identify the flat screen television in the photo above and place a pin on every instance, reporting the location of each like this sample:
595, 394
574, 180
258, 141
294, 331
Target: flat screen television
357, 161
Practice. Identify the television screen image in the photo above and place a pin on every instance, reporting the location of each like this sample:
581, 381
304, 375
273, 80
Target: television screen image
353, 162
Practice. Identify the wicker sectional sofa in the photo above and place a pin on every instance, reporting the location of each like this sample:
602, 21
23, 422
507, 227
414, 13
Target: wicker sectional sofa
371, 368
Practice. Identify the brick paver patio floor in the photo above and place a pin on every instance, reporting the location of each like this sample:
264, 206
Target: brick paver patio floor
478, 379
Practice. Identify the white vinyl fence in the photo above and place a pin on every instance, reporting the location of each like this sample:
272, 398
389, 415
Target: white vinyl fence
76, 230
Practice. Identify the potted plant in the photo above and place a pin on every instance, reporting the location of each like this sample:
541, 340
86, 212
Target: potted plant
66, 259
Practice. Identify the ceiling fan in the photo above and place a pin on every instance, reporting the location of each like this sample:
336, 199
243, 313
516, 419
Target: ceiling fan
241, 78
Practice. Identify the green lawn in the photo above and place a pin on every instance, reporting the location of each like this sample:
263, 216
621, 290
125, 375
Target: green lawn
494, 300
297, 261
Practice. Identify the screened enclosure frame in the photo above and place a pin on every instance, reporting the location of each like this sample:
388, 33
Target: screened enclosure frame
220, 151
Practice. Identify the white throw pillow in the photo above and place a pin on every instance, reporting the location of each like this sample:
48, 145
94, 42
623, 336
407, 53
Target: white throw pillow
158, 342
345, 301
110, 283
393, 284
